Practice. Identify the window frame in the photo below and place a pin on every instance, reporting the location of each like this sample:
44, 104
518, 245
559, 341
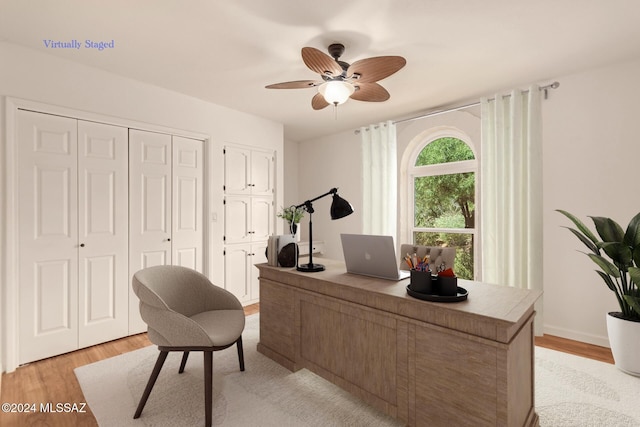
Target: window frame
413, 172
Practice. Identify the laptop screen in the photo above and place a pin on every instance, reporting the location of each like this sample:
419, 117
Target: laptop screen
371, 255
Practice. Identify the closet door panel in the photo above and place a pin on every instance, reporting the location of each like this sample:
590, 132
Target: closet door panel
261, 218
48, 254
103, 232
237, 170
262, 173
149, 208
187, 213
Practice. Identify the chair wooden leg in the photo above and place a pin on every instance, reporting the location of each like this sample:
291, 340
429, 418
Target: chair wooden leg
240, 353
208, 395
152, 380
184, 362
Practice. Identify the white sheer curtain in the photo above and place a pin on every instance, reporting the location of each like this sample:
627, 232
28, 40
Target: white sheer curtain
511, 191
379, 179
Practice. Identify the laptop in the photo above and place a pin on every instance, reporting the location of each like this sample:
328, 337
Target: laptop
371, 255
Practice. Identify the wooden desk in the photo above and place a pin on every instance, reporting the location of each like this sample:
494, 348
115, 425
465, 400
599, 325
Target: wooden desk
468, 363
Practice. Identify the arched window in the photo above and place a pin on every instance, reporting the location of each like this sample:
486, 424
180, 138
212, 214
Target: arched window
442, 198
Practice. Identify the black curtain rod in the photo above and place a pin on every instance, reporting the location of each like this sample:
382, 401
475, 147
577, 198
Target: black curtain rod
546, 88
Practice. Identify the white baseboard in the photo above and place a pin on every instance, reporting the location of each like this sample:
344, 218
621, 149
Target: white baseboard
602, 341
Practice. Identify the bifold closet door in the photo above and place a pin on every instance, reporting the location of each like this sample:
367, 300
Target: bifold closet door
103, 233
149, 208
166, 206
187, 212
73, 234
48, 235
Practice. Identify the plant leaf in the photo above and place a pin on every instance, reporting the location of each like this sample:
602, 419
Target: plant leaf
608, 281
632, 236
605, 265
608, 229
583, 228
634, 302
634, 273
588, 243
636, 256
619, 253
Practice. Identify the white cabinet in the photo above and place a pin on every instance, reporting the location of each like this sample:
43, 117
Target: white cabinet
241, 275
248, 171
249, 217
73, 234
166, 206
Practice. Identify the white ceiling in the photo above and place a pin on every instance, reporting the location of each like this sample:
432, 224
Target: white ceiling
226, 51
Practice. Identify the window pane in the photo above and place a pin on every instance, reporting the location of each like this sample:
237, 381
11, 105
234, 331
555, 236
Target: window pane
445, 201
444, 150
463, 243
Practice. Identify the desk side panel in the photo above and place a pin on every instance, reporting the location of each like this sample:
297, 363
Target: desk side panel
277, 323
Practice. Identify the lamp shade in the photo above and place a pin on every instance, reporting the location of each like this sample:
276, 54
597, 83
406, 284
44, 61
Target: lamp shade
340, 207
336, 91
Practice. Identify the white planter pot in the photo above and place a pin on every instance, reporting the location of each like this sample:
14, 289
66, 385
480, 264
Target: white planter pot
297, 233
624, 339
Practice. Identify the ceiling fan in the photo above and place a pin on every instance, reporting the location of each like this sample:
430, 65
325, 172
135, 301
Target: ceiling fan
340, 80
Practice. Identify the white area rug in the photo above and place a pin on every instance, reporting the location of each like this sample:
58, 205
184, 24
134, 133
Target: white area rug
570, 391
580, 392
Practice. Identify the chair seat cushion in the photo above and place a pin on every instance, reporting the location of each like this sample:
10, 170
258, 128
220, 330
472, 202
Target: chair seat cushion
224, 327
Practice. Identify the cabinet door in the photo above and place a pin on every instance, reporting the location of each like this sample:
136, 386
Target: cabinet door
237, 164
237, 211
236, 270
48, 233
187, 182
262, 173
258, 256
261, 218
149, 208
103, 230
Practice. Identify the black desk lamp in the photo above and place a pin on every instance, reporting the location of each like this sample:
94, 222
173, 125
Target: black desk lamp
339, 209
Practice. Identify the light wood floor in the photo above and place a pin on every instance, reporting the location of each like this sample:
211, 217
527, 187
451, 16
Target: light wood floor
53, 380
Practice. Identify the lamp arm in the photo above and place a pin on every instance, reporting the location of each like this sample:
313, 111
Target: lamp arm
307, 204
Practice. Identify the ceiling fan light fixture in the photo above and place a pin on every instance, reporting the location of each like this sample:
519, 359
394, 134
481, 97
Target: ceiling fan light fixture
336, 92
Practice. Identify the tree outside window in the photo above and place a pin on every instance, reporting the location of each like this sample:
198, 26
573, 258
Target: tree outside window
444, 200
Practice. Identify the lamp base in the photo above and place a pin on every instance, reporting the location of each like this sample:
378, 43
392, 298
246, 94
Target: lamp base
310, 268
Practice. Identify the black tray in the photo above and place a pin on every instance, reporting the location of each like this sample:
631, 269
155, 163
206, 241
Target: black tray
461, 296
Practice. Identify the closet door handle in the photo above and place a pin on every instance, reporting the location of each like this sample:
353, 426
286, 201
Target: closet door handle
82, 245
168, 239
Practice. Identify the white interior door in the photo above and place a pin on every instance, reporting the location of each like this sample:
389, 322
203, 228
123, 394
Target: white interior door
103, 232
48, 234
187, 182
149, 208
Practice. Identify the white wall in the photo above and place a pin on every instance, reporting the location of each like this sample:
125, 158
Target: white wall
591, 147
31, 75
325, 163
591, 152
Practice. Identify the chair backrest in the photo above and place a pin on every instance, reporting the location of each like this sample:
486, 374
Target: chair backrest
180, 289
440, 258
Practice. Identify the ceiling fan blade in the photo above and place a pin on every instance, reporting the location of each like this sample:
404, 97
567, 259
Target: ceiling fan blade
320, 62
371, 92
298, 84
374, 69
318, 102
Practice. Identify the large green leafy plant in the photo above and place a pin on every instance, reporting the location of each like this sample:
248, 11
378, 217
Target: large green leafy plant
620, 270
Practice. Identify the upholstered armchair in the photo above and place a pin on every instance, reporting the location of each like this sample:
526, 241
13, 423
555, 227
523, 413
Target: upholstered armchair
185, 312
